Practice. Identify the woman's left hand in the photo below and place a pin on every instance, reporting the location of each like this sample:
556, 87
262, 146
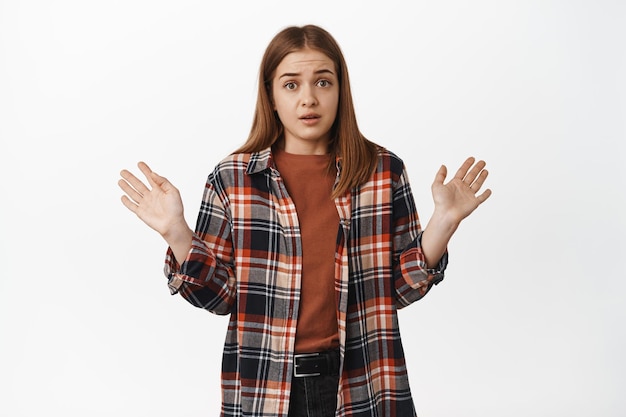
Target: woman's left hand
458, 199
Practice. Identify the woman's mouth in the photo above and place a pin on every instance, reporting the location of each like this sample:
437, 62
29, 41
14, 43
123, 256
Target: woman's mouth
310, 118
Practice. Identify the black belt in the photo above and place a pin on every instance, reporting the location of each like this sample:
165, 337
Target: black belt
316, 364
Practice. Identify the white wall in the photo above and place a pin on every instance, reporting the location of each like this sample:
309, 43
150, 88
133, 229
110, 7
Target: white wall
530, 319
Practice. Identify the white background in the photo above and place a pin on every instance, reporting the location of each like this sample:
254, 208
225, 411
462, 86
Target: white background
530, 320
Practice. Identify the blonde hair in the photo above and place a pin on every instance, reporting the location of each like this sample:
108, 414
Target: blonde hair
358, 155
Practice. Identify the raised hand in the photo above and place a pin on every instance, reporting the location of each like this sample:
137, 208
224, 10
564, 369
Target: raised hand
454, 201
157, 204
457, 199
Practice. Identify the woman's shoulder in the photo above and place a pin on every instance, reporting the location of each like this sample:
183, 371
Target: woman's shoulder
390, 160
233, 159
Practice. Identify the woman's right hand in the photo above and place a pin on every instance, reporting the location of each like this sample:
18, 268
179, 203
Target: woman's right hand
157, 204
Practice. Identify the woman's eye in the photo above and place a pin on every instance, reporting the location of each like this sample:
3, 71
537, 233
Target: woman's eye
323, 83
290, 86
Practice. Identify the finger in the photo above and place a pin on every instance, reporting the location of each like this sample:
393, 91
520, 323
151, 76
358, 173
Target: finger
462, 171
134, 182
474, 172
441, 175
485, 195
154, 179
147, 172
130, 191
480, 180
129, 204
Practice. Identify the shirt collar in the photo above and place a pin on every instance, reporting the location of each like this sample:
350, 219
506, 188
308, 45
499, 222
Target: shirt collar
260, 161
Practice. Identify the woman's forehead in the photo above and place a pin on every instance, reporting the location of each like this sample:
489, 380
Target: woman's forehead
305, 58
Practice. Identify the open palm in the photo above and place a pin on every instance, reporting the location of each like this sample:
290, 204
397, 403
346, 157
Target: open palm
157, 204
458, 198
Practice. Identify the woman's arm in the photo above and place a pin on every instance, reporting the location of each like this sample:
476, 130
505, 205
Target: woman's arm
198, 265
454, 201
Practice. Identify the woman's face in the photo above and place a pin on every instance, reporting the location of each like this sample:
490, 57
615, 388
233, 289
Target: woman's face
305, 94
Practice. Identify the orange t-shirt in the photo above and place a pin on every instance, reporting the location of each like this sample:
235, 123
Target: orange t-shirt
309, 183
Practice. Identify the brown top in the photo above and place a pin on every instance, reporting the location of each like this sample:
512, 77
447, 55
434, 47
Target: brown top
309, 184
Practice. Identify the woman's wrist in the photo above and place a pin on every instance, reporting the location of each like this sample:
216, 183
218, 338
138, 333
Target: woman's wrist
179, 238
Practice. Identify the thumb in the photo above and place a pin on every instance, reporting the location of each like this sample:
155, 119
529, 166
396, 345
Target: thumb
154, 179
160, 181
441, 175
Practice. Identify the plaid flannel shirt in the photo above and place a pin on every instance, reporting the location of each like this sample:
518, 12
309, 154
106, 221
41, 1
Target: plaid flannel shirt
245, 261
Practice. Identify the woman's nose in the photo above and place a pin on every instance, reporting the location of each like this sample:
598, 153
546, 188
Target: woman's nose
308, 96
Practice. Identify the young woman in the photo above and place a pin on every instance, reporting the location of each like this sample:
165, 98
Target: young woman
309, 238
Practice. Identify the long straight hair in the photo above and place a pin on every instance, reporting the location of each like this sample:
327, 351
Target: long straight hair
358, 156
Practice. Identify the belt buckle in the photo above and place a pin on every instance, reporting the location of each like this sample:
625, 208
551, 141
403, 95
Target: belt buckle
295, 364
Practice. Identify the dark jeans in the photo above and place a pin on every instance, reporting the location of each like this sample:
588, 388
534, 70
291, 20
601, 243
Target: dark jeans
314, 396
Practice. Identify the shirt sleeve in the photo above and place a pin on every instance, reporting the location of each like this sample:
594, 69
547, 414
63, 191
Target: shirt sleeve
416, 279
206, 278
413, 278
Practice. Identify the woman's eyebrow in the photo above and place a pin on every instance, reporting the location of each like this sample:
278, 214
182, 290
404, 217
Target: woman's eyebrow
295, 74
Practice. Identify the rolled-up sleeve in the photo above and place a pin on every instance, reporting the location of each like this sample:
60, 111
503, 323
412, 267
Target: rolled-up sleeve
206, 278
415, 278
